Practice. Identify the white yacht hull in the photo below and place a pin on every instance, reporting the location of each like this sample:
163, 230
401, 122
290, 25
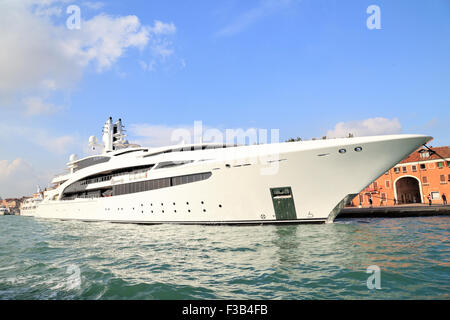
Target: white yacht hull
28, 213
320, 179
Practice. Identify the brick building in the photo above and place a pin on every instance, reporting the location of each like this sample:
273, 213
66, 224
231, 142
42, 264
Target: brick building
10, 203
423, 173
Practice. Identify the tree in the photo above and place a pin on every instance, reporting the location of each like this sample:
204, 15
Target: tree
294, 140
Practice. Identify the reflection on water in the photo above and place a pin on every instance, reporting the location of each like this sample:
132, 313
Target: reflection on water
204, 262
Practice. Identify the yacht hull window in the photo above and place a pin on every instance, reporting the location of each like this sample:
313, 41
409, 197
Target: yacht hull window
147, 185
134, 187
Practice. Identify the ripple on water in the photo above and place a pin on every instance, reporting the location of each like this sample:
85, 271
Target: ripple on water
40, 258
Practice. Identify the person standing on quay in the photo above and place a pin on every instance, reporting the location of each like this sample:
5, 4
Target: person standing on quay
444, 198
429, 200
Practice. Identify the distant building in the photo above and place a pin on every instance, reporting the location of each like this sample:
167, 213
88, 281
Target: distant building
11, 204
423, 173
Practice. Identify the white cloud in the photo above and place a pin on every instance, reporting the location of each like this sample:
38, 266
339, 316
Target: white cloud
263, 9
103, 40
18, 178
162, 49
49, 11
37, 106
156, 135
367, 127
59, 145
39, 55
160, 27
93, 5
42, 138
148, 66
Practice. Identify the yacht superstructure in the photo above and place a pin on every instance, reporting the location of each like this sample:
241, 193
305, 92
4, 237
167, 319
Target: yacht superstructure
211, 183
28, 206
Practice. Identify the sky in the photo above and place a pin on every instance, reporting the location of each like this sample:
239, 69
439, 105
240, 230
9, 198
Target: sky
308, 68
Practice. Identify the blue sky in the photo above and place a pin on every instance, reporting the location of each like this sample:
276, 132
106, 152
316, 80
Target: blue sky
301, 67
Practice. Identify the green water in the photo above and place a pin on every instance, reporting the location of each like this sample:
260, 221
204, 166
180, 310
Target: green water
46, 259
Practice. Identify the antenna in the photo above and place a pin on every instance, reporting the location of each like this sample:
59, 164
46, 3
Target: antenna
108, 132
434, 152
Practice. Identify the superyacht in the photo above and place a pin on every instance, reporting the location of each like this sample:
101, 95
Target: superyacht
216, 183
29, 205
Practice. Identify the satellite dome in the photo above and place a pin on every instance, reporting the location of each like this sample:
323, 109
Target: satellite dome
92, 140
73, 157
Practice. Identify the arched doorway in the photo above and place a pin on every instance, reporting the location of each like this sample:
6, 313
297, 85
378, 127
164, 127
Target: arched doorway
407, 190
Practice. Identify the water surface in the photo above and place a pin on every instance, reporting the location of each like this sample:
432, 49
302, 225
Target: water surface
50, 259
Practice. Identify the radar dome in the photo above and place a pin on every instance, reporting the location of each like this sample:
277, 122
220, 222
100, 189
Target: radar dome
73, 157
92, 140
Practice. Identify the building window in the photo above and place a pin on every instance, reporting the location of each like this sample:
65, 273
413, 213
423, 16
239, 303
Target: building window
404, 169
424, 154
424, 180
440, 165
361, 198
443, 178
435, 195
383, 197
422, 166
448, 164
397, 170
448, 177
375, 185
133, 187
414, 168
387, 184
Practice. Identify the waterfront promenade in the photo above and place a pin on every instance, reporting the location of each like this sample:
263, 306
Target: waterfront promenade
406, 210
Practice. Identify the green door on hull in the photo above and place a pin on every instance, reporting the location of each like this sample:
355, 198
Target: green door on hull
283, 203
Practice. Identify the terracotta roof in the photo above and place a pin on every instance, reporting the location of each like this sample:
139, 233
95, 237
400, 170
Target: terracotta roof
444, 152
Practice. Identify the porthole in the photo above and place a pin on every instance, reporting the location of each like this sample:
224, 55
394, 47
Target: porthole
342, 151
358, 149
202, 202
174, 203
204, 210
189, 210
152, 211
187, 203
175, 211
163, 211
220, 206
